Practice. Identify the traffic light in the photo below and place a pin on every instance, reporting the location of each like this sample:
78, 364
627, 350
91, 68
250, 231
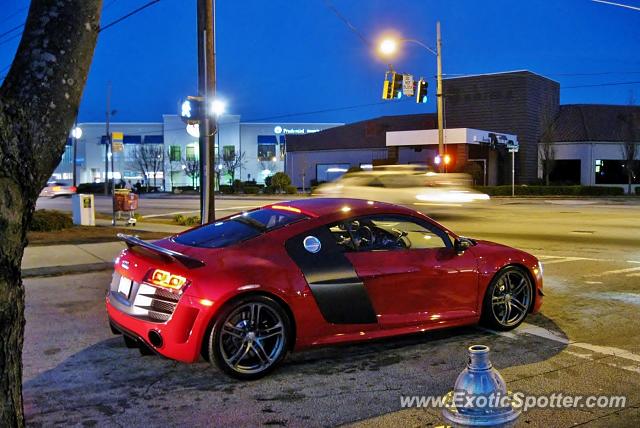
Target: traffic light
392, 88
421, 91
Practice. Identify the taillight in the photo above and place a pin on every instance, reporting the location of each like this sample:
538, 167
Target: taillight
165, 279
73, 189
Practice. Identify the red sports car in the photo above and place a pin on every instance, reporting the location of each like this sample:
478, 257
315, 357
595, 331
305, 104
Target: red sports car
245, 290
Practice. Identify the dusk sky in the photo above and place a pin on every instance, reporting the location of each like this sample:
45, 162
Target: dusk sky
278, 59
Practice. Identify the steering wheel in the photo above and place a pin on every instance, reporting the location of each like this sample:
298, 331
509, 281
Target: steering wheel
401, 237
369, 239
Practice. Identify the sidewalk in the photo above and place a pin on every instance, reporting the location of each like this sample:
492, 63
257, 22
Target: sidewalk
61, 259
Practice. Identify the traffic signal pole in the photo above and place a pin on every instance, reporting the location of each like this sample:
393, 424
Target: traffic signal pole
439, 97
206, 89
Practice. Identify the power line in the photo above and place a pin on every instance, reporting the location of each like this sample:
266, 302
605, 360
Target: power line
133, 12
601, 84
13, 14
15, 36
617, 4
11, 30
346, 22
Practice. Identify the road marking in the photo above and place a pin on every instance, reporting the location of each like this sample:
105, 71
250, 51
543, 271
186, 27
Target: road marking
169, 214
613, 272
526, 328
594, 282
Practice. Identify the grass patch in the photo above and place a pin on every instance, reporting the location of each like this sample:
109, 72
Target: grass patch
87, 235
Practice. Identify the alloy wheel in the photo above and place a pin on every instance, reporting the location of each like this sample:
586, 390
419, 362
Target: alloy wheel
252, 338
511, 297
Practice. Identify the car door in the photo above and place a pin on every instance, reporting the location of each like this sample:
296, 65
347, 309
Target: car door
411, 271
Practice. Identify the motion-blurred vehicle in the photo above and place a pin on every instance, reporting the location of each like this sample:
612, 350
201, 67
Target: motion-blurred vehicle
406, 185
58, 188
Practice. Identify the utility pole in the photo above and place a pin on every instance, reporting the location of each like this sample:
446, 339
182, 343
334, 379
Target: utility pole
74, 140
439, 97
207, 90
107, 143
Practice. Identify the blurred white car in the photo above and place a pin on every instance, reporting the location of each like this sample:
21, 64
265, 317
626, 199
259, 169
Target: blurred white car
406, 186
57, 188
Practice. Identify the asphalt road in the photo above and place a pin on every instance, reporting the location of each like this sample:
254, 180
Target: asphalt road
586, 341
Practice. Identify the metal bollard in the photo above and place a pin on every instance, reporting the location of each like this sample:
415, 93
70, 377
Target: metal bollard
479, 396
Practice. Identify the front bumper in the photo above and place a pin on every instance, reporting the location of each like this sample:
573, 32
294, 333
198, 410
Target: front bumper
140, 316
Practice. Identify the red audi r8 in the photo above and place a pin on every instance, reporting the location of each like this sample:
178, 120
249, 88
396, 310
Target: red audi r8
245, 290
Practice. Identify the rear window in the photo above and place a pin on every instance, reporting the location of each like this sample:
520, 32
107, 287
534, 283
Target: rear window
238, 228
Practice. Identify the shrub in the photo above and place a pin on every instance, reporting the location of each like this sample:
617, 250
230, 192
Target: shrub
292, 190
186, 221
237, 185
251, 189
91, 188
638, 190
50, 220
280, 181
226, 189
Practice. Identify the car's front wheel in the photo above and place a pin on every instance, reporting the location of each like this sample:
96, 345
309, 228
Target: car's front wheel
250, 337
508, 299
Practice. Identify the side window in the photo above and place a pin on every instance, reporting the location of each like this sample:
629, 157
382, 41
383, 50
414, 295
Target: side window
384, 233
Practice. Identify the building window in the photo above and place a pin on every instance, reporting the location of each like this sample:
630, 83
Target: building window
191, 153
565, 172
228, 153
267, 147
283, 146
175, 154
613, 172
130, 151
330, 171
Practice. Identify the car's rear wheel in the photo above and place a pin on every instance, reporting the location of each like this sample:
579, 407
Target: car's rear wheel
508, 299
250, 337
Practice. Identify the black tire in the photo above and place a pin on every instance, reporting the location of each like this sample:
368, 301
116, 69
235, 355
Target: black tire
257, 348
508, 299
145, 350
129, 342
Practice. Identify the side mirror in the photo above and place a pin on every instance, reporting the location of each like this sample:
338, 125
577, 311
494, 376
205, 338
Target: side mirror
461, 245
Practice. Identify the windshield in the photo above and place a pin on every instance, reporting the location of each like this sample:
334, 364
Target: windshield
238, 228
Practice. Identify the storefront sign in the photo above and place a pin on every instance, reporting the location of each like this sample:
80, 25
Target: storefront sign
280, 130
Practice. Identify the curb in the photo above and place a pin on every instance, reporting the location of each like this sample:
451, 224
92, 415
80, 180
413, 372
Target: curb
64, 270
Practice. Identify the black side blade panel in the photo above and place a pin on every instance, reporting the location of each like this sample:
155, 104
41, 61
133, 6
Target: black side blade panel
339, 292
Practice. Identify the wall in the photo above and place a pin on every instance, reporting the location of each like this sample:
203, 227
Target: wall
514, 103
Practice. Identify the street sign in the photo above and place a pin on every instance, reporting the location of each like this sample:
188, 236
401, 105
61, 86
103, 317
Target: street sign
407, 85
116, 142
513, 149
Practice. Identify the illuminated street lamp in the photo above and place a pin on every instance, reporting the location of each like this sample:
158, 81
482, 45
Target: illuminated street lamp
218, 107
388, 46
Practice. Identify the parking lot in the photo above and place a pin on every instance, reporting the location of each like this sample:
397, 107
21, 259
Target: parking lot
584, 342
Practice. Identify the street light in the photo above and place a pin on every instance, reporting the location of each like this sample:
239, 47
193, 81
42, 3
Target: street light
218, 107
76, 134
389, 46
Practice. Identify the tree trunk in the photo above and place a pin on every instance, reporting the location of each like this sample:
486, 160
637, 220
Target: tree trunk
38, 104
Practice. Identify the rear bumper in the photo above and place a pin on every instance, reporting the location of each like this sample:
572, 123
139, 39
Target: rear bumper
181, 335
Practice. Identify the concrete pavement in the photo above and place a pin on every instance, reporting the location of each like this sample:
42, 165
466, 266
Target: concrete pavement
58, 259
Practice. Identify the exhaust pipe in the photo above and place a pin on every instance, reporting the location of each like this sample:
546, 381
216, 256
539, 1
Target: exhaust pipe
155, 338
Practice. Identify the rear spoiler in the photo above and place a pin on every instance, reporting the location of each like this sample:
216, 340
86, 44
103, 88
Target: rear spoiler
167, 254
